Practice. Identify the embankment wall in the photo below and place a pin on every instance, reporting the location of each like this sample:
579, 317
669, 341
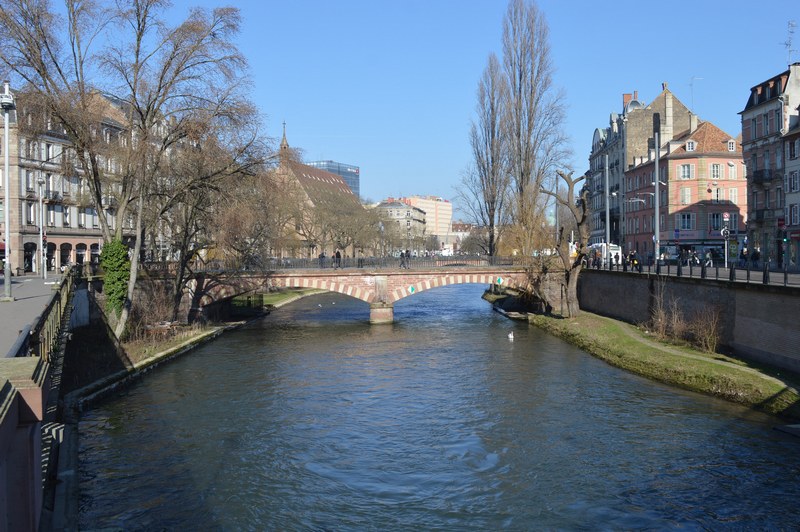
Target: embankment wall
757, 321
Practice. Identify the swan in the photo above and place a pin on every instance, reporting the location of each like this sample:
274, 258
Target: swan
511, 335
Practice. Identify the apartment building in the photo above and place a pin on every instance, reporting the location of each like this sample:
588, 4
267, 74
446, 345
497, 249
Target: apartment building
628, 137
703, 190
791, 187
49, 203
770, 113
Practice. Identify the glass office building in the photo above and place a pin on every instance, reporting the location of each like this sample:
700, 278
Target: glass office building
350, 173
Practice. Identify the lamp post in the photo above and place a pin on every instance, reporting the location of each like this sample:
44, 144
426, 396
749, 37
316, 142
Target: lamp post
608, 222
7, 103
42, 251
657, 199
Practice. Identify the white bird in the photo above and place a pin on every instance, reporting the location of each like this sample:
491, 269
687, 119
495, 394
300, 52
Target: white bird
319, 305
511, 335
333, 303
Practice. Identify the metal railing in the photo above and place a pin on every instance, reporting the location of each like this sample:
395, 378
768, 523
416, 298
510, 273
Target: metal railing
41, 338
761, 273
328, 263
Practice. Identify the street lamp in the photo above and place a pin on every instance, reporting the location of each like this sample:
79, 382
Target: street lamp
607, 253
657, 198
42, 251
7, 103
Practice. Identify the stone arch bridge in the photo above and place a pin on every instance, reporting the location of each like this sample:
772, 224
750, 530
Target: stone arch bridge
381, 288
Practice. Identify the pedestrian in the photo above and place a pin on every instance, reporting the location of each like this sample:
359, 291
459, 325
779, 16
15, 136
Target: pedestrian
322, 260
402, 259
709, 262
360, 258
616, 259
408, 259
338, 259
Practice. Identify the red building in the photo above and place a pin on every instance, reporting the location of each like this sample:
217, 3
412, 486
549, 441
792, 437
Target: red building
703, 190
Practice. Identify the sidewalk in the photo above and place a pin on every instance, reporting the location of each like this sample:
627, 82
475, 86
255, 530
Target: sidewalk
31, 295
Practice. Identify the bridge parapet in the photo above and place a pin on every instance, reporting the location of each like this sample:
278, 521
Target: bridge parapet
380, 288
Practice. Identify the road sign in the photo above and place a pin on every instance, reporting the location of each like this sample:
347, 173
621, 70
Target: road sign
677, 234
499, 280
725, 232
726, 217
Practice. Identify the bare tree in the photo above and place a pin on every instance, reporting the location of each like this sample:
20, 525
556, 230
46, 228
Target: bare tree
485, 186
533, 118
576, 204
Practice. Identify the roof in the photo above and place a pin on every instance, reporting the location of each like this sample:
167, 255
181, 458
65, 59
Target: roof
319, 184
708, 139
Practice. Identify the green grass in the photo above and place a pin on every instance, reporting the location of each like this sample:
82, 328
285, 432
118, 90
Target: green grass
624, 346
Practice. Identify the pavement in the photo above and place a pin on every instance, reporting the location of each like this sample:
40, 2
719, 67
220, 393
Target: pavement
31, 295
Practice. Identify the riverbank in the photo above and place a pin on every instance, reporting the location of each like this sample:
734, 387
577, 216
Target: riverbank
628, 347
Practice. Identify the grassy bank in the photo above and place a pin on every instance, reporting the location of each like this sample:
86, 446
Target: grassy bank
627, 347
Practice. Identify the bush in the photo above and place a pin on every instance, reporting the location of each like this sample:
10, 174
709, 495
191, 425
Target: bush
116, 270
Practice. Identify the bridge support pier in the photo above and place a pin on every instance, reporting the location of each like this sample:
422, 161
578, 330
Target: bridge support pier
381, 312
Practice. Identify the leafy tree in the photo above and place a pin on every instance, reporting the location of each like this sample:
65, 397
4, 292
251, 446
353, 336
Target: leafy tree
116, 270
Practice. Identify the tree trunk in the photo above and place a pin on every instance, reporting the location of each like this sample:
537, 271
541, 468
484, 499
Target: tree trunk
137, 248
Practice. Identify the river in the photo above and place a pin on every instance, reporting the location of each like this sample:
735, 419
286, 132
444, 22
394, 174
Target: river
312, 419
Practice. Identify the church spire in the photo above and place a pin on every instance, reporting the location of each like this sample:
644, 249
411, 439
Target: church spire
284, 144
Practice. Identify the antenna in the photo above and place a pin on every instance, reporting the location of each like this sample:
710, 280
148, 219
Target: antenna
691, 89
790, 26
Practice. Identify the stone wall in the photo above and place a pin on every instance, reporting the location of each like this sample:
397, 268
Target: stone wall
757, 321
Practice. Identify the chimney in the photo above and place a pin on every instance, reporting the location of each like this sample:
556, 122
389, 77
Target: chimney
626, 99
664, 86
666, 129
692, 122
635, 95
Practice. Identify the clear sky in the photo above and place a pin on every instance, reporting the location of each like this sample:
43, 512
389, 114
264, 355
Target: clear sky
390, 85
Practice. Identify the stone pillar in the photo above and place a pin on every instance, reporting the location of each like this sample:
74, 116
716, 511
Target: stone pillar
381, 312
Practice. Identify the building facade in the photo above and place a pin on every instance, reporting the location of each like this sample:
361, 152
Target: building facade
771, 111
703, 190
628, 137
349, 172
404, 227
791, 187
438, 213
50, 206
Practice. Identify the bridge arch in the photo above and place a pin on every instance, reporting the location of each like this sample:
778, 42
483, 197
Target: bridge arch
380, 289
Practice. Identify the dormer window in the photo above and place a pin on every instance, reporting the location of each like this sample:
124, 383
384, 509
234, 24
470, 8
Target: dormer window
690, 145
731, 145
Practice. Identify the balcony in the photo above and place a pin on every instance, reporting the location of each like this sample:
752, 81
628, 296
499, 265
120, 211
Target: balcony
762, 176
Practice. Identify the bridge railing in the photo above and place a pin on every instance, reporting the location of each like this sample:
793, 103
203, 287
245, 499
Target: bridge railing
391, 262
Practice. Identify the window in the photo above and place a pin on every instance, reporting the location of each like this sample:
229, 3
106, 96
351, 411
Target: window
30, 213
686, 171
685, 221
716, 171
753, 130
754, 200
65, 219
733, 196
686, 196
51, 215
690, 145
64, 185
794, 214
778, 197
719, 194
30, 179
766, 160
714, 221
731, 145
791, 150
81, 217
731, 171
795, 182
766, 123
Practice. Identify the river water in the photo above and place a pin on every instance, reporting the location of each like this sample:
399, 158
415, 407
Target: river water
311, 419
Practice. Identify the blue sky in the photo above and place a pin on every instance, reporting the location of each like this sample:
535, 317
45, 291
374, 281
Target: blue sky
390, 86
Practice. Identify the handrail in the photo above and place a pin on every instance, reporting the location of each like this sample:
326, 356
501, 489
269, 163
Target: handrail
42, 335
